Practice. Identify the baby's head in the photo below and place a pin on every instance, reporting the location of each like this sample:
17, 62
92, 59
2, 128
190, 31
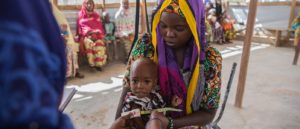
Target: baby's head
143, 77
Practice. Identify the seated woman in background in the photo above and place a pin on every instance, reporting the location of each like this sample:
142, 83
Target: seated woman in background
71, 45
91, 35
227, 24
296, 27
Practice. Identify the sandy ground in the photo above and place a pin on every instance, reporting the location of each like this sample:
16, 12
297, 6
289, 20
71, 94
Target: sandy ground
270, 99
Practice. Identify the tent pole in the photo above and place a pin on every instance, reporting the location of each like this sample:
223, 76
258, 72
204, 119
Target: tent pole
246, 54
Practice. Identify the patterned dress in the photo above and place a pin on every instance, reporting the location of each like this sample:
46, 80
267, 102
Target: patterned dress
131, 102
125, 22
91, 32
212, 73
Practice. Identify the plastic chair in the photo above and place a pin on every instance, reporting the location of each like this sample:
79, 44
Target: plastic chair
215, 123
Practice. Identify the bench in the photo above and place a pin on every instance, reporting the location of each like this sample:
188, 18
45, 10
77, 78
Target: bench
278, 34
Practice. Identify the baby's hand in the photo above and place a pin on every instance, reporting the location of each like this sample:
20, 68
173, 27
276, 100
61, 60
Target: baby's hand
176, 100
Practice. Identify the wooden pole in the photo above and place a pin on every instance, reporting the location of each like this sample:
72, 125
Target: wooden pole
246, 54
143, 16
292, 16
103, 3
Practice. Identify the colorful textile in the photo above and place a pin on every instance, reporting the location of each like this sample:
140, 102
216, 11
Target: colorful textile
142, 48
96, 52
32, 68
295, 26
171, 82
218, 32
212, 71
230, 34
131, 102
72, 61
71, 46
174, 8
297, 36
90, 29
199, 81
208, 34
125, 22
89, 22
228, 29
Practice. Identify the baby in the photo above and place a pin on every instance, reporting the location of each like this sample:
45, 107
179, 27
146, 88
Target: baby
143, 82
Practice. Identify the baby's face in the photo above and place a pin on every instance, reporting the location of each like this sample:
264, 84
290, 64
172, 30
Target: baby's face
142, 80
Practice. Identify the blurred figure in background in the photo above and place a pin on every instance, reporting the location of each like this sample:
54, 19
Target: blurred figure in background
72, 48
296, 27
227, 24
125, 22
110, 38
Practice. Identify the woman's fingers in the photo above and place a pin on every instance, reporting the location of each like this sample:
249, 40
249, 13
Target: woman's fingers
161, 117
128, 116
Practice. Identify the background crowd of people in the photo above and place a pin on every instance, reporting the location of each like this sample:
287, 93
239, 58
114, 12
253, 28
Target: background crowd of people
101, 39
219, 24
98, 39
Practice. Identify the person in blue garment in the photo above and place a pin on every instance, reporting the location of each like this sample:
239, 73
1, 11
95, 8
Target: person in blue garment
32, 67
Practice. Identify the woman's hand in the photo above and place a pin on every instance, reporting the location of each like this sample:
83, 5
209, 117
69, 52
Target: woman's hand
157, 120
120, 123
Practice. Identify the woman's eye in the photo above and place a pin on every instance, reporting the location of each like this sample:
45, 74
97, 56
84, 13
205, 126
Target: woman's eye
162, 26
180, 28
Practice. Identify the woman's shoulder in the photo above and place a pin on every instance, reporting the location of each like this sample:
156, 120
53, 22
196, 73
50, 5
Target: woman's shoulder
212, 57
212, 52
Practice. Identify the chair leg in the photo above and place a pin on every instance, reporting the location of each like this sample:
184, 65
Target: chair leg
216, 126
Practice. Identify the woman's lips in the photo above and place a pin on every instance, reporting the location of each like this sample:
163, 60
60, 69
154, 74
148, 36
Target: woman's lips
170, 43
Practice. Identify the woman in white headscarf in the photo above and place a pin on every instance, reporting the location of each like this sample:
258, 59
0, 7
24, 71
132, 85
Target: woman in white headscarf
125, 21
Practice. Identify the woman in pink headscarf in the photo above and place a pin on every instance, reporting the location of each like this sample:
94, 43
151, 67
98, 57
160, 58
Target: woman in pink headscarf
91, 34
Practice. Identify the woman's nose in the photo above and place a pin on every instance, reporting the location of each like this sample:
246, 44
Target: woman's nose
170, 33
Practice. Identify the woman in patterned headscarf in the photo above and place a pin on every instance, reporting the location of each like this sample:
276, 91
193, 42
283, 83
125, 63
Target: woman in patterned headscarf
32, 67
189, 71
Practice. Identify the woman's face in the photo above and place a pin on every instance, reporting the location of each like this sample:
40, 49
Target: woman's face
174, 30
125, 4
90, 6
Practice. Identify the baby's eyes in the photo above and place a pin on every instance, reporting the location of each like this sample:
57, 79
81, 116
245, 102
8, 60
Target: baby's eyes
134, 81
147, 81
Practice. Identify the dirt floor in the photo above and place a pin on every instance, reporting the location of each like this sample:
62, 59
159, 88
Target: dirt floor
270, 99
